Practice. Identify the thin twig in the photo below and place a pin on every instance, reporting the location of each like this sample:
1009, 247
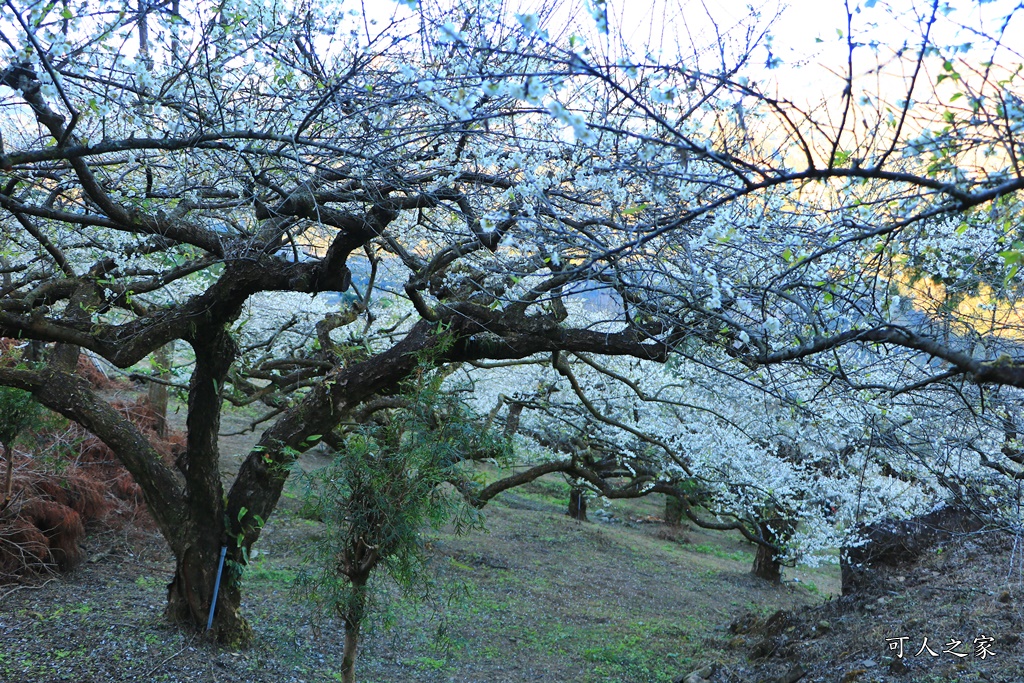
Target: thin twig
18, 588
169, 658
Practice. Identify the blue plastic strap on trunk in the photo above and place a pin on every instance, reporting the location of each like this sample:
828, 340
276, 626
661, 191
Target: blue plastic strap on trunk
216, 586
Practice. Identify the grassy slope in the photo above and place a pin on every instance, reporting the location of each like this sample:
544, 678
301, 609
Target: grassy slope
544, 599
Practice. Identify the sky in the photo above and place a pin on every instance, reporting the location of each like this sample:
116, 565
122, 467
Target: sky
809, 37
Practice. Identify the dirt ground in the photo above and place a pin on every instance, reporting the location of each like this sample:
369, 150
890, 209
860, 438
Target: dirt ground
534, 597
549, 600
956, 614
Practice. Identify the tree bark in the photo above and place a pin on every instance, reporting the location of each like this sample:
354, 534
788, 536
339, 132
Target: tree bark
673, 511
158, 397
190, 593
766, 565
766, 561
348, 662
578, 504
353, 621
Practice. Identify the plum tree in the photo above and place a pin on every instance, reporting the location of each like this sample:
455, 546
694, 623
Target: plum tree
168, 170
793, 474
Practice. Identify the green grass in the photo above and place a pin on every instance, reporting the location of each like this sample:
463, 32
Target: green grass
81, 608
719, 551
150, 582
424, 663
264, 571
640, 651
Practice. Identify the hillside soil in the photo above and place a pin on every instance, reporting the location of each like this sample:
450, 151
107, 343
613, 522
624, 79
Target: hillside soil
534, 597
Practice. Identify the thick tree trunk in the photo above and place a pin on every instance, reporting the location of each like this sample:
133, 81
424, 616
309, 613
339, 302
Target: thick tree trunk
766, 565
578, 505
766, 561
190, 593
673, 511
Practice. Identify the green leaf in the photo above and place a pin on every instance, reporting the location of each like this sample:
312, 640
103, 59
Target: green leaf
1010, 256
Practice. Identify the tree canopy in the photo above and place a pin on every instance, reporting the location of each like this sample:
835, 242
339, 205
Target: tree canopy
312, 199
